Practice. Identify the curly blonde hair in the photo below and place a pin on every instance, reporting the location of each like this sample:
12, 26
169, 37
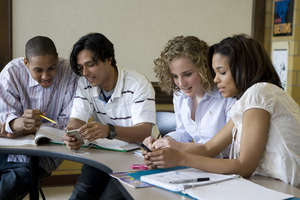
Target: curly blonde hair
189, 47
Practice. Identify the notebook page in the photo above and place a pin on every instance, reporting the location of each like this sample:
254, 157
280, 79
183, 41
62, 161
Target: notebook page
115, 144
163, 179
54, 134
235, 189
27, 140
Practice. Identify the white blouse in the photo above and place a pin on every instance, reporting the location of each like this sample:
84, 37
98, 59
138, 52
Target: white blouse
281, 158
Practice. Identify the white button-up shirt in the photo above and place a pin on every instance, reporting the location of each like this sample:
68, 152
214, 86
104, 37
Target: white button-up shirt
210, 116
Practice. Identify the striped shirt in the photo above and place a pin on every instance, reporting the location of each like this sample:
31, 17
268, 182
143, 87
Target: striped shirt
132, 101
19, 91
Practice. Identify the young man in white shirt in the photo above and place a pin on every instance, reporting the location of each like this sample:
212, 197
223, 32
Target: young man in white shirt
120, 101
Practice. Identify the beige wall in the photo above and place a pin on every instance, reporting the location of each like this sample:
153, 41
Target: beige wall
138, 28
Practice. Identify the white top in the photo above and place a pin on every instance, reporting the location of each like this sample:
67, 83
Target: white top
211, 115
281, 158
132, 101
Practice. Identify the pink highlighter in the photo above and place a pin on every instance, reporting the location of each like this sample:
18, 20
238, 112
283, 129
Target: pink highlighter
139, 167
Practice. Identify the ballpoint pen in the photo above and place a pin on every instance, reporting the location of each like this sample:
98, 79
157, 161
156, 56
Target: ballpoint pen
50, 120
190, 180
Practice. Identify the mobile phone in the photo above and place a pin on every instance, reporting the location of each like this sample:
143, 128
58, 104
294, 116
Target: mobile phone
145, 148
74, 133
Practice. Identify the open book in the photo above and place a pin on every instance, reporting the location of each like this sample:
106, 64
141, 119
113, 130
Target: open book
47, 134
113, 145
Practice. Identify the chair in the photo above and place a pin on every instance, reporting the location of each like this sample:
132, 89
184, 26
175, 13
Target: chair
165, 121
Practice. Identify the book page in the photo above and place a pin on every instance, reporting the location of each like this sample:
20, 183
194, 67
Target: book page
19, 141
115, 144
54, 135
235, 189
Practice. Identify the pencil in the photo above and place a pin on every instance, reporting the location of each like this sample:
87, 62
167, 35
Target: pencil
50, 120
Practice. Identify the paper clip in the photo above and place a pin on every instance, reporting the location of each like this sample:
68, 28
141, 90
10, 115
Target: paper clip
139, 167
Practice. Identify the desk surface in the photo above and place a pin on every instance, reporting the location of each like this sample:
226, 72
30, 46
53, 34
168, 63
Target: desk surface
109, 161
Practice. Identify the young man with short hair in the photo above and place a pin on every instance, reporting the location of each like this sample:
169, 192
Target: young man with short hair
40, 83
120, 101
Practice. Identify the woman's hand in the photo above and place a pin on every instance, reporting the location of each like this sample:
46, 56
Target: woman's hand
148, 141
163, 158
167, 142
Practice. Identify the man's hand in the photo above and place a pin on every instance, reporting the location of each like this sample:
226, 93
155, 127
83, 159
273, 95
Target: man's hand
94, 130
72, 142
29, 122
5, 134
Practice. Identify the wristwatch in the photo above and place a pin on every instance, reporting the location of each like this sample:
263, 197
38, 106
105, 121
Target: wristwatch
112, 133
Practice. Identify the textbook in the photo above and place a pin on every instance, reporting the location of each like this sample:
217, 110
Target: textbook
112, 145
48, 134
45, 134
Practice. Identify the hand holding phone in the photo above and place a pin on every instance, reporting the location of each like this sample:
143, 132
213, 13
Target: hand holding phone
145, 147
74, 133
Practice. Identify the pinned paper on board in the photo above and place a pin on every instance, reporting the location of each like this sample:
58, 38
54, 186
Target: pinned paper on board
280, 60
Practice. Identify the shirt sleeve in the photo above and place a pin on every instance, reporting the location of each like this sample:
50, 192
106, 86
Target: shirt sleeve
180, 135
10, 105
81, 108
258, 96
143, 105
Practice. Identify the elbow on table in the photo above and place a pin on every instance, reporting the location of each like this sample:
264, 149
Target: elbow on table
245, 171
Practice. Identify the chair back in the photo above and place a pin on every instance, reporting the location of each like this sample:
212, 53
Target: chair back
165, 121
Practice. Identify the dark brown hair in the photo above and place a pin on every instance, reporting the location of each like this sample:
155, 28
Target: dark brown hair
248, 61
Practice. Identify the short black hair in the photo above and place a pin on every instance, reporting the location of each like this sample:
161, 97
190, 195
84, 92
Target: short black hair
248, 61
98, 44
39, 46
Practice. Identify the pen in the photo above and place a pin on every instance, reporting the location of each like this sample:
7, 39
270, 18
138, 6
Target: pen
50, 120
190, 180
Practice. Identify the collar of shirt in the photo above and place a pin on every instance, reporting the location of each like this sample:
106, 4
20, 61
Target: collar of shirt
210, 94
96, 91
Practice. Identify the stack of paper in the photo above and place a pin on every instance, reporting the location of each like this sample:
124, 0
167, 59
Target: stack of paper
218, 186
166, 179
235, 189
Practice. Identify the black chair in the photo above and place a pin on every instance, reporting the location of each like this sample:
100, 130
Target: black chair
165, 121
